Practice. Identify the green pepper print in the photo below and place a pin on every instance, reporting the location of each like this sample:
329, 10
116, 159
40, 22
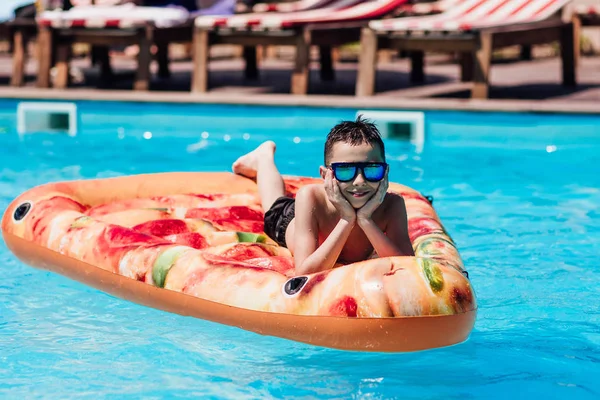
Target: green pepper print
247, 237
433, 273
164, 262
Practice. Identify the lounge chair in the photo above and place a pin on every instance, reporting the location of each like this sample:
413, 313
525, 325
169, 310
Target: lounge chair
281, 7
338, 23
18, 31
474, 28
436, 7
126, 24
107, 26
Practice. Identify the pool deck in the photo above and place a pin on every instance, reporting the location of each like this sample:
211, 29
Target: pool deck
516, 86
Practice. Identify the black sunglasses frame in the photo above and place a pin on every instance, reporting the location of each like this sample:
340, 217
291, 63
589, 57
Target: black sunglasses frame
360, 166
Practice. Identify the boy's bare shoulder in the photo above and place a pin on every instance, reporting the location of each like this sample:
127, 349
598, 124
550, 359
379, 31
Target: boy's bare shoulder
394, 201
311, 191
395, 197
313, 196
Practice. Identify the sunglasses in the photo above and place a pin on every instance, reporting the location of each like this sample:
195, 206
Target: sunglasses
371, 171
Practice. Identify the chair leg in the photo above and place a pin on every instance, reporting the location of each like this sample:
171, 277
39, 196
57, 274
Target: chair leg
200, 50
335, 55
326, 61
300, 75
526, 53
481, 66
576, 39
261, 52
569, 53
63, 57
466, 67
101, 57
385, 56
142, 76
95, 57
162, 57
417, 62
19, 57
251, 60
270, 52
367, 63
45, 48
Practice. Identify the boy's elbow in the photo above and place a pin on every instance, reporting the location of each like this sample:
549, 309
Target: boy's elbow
300, 271
308, 267
304, 269
300, 267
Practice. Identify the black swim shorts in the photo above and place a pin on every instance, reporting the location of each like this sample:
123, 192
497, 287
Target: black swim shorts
278, 218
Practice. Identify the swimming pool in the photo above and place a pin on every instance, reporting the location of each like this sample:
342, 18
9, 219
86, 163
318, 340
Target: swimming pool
519, 193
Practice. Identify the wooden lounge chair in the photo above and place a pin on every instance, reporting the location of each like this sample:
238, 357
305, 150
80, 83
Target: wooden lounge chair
104, 25
293, 6
336, 24
18, 31
474, 28
436, 7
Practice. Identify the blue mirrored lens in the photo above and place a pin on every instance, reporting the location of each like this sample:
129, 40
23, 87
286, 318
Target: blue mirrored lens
345, 173
374, 172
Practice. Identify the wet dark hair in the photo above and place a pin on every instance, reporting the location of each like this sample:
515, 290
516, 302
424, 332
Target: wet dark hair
355, 133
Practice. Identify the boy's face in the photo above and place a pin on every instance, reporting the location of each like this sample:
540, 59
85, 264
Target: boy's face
357, 191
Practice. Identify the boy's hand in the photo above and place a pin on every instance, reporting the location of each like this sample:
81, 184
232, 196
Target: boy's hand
342, 205
365, 212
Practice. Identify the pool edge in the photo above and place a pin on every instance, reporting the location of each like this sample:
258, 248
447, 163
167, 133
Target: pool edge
531, 106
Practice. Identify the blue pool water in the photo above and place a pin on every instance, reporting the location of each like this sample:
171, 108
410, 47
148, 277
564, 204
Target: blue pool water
519, 193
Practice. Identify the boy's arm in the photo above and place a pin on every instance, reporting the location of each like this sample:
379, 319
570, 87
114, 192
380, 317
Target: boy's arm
309, 257
395, 242
397, 227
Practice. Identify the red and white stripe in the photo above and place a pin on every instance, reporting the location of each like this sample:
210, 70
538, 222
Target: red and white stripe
122, 17
254, 19
364, 11
294, 6
476, 14
348, 10
431, 8
83, 3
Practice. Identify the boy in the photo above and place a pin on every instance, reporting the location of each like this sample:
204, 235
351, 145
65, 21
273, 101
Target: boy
346, 218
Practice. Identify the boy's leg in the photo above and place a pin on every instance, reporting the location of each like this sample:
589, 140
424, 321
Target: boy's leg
260, 164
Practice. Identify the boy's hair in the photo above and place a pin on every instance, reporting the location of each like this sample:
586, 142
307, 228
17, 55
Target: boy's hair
355, 133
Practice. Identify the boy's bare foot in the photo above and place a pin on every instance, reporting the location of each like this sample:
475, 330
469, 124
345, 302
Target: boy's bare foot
248, 163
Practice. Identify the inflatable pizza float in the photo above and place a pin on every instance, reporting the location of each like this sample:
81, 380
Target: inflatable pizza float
193, 244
